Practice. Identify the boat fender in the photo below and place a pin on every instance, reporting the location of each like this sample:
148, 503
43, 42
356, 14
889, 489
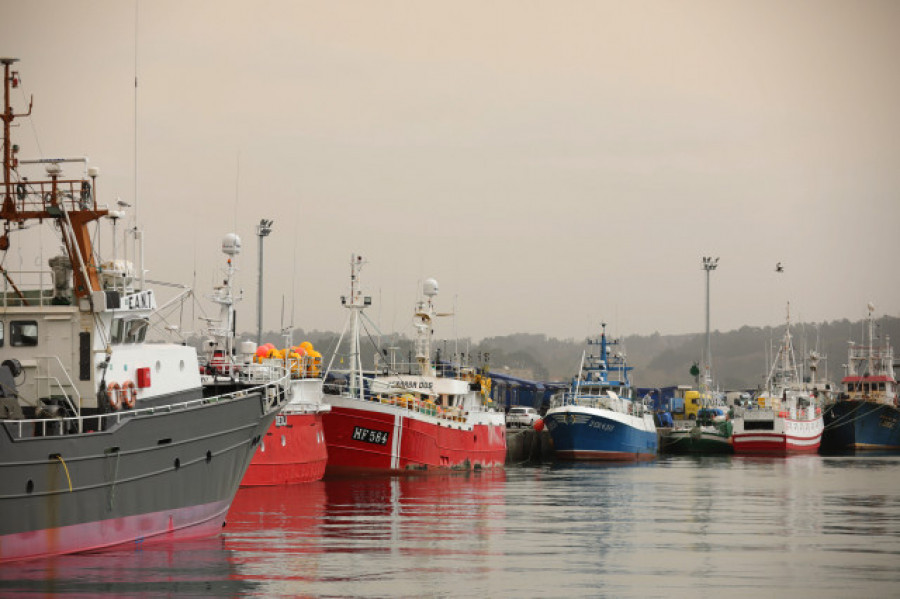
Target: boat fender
21, 191
129, 394
112, 393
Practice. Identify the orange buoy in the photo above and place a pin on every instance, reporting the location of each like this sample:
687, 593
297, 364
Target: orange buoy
112, 393
129, 394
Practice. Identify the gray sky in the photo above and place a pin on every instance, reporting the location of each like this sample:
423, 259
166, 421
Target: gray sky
552, 164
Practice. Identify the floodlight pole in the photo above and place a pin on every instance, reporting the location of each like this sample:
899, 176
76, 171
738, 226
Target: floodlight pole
709, 264
262, 230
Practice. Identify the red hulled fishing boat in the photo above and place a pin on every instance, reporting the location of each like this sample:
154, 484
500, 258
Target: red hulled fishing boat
421, 416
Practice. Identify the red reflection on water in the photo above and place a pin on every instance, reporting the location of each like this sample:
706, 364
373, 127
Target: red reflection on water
287, 533
273, 531
296, 508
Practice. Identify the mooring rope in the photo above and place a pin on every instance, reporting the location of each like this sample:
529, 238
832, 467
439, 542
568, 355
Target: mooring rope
66, 468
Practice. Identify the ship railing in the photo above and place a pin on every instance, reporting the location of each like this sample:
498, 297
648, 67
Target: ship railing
273, 392
306, 367
37, 196
604, 402
439, 369
408, 401
48, 382
307, 407
26, 288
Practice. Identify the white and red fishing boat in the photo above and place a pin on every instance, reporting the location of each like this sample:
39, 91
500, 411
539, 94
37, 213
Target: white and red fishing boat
414, 417
787, 418
293, 448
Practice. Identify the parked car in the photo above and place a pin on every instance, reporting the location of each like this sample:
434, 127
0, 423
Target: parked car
520, 416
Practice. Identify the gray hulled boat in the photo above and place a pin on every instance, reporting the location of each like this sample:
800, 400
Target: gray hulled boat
106, 438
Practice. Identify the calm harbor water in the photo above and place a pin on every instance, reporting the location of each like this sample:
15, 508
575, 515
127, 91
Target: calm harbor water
804, 526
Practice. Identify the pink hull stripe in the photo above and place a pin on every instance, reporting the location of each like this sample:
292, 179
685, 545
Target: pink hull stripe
183, 523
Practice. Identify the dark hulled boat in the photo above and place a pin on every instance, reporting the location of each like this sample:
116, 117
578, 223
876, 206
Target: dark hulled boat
106, 438
865, 415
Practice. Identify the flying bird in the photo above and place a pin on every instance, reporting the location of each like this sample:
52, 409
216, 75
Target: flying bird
779, 267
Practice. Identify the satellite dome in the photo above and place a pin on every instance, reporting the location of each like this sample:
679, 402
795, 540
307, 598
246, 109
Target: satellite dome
430, 287
231, 244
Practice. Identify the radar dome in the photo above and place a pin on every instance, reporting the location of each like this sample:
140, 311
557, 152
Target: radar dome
231, 244
430, 287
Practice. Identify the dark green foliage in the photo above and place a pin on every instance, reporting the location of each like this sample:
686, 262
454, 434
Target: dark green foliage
739, 357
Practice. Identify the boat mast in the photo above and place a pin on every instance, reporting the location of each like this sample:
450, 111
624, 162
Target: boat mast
355, 304
423, 321
871, 323
8, 116
224, 296
71, 203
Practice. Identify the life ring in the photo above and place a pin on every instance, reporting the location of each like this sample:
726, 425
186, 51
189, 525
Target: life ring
129, 394
112, 392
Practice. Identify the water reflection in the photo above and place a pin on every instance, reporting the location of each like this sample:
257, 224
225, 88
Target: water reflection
378, 535
681, 526
199, 568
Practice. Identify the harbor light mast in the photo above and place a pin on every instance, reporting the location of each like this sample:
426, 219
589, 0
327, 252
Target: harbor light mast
709, 265
262, 230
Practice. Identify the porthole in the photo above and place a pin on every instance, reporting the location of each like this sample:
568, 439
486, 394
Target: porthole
177, 463
29, 487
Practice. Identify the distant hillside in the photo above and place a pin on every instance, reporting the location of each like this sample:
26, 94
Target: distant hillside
739, 357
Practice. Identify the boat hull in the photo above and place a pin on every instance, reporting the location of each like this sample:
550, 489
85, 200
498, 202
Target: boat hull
697, 440
366, 436
777, 436
860, 426
156, 473
599, 434
292, 451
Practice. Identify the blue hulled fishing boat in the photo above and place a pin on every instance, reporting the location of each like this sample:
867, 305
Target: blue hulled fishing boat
865, 415
597, 418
